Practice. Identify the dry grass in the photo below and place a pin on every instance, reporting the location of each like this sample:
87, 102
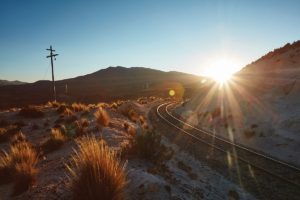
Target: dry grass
17, 138
78, 107
147, 145
95, 172
143, 122
129, 129
53, 104
61, 109
68, 112
133, 115
81, 127
19, 165
55, 141
114, 106
8, 132
102, 117
31, 112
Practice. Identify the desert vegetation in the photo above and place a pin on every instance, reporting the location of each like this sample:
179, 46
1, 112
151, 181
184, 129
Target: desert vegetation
7, 132
102, 117
55, 141
96, 172
81, 127
78, 107
19, 165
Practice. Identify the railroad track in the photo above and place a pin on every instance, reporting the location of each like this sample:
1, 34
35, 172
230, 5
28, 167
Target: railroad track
256, 162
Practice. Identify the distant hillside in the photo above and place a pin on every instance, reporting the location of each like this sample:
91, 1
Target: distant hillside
5, 82
104, 85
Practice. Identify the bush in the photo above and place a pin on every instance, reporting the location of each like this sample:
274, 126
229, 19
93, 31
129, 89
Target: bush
31, 112
53, 104
8, 132
17, 138
19, 165
132, 115
78, 107
147, 145
95, 172
61, 109
102, 117
56, 141
129, 129
81, 127
68, 112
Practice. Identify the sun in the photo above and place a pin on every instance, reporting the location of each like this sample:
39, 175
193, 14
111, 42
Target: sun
221, 70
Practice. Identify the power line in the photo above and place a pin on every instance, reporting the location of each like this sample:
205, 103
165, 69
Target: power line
51, 56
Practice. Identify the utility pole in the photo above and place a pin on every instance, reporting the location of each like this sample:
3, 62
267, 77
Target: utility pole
53, 81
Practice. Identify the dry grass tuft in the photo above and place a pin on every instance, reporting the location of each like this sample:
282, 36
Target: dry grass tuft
102, 117
8, 132
19, 165
61, 109
55, 141
131, 130
95, 171
133, 115
147, 145
114, 106
81, 127
68, 112
17, 138
78, 107
53, 104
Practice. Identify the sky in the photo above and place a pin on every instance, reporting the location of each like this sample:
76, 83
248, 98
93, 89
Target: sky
171, 35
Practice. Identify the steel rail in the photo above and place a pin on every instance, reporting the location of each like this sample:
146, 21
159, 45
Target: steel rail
223, 140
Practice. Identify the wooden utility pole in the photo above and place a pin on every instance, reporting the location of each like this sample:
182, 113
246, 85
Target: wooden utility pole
51, 56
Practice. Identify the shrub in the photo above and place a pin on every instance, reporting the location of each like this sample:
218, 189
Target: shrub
61, 109
19, 137
78, 107
55, 141
31, 112
147, 145
132, 115
95, 171
81, 126
53, 104
68, 112
143, 122
5, 171
102, 117
129, 129
114, 106
19, 165
8, 132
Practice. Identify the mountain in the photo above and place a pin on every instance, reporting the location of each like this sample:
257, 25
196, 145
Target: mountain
259, 107
104, 85
5, 82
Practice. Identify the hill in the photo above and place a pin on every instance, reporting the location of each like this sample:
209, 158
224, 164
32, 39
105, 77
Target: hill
6, 82
104, 85
259, 107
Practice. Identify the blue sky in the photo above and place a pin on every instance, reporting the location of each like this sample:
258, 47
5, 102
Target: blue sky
181, 35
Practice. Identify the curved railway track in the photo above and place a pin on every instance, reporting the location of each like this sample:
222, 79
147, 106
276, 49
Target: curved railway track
255, 161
